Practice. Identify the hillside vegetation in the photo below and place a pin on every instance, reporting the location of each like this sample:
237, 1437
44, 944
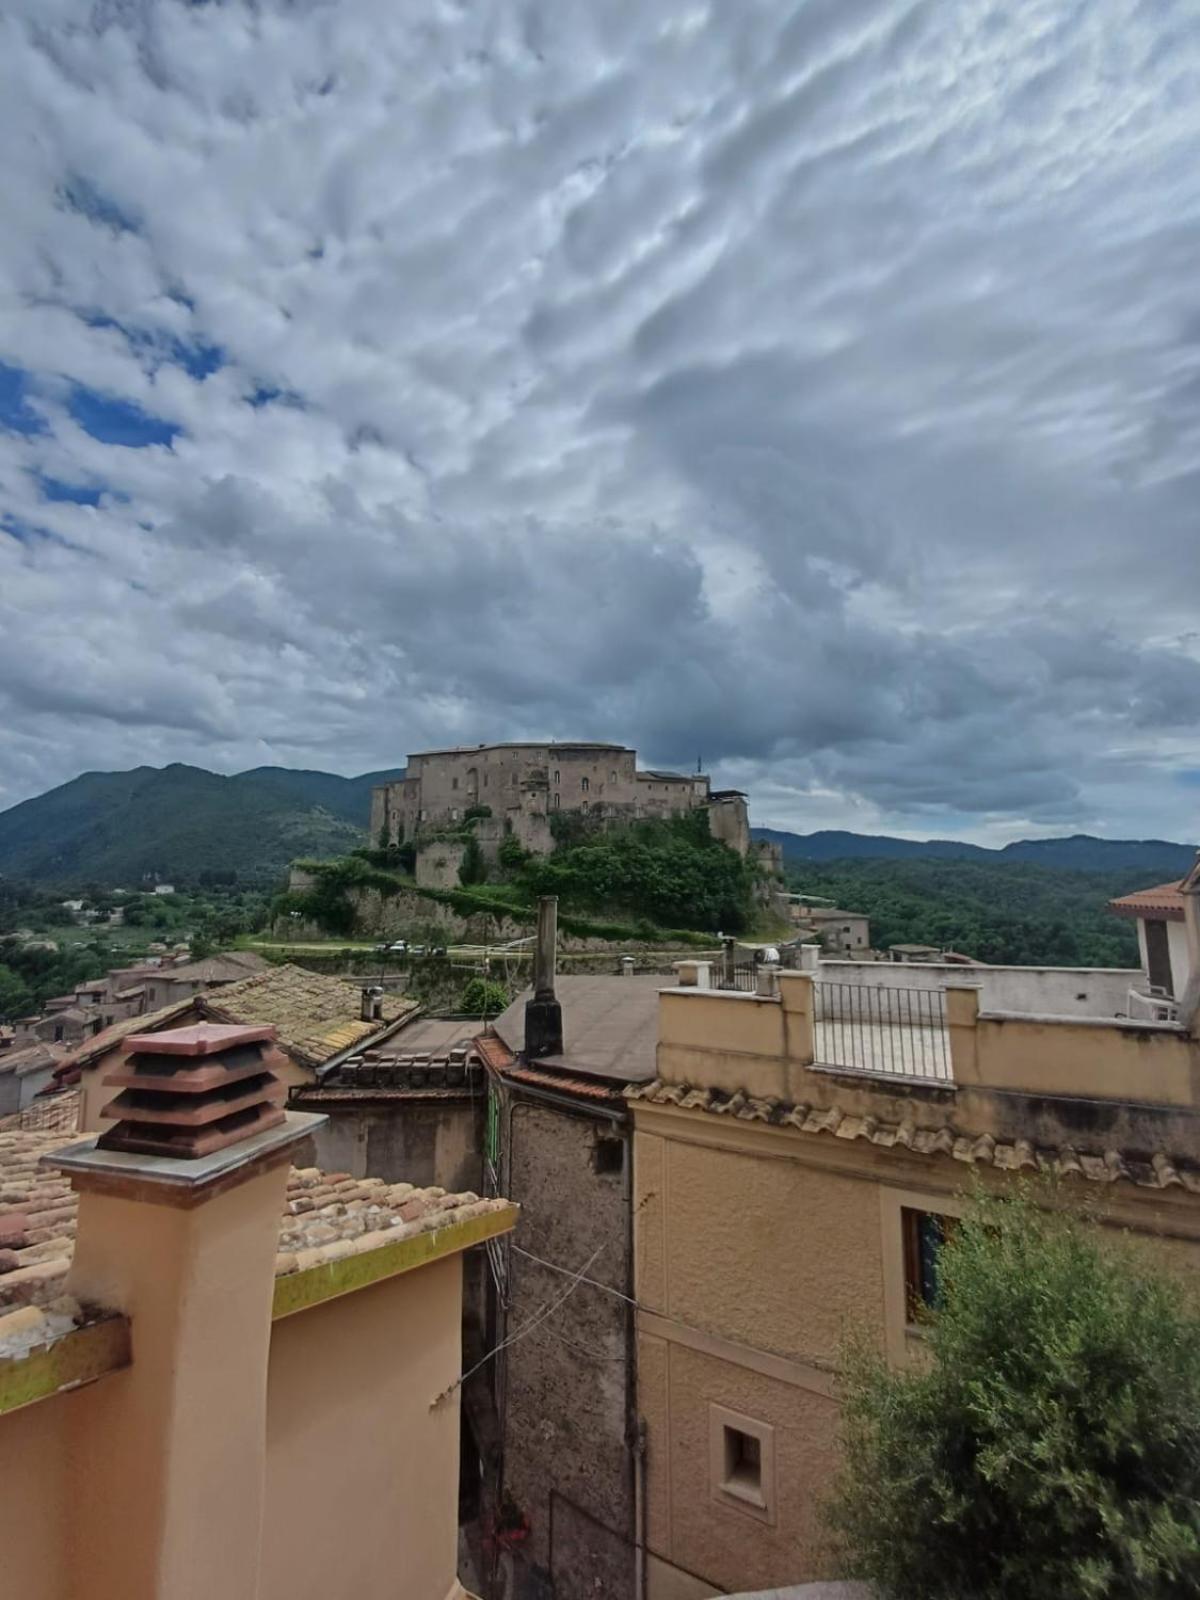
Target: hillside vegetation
619, 882
176, 823
999, 911
1080, 852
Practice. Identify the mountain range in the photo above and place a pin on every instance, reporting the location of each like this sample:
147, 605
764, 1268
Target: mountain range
168, 823
1080, 852
176, 822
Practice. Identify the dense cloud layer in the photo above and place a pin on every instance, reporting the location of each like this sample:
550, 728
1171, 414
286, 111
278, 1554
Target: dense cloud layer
813, 388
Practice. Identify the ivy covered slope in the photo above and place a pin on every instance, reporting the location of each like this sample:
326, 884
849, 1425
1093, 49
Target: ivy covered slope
619, 882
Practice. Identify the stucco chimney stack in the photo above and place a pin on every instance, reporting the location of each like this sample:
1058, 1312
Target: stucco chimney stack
179, 1210
372, 1004
543, 1013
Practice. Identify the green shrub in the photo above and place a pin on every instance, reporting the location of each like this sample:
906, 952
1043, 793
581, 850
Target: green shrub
477, 813
472, 868
483, 997
1051, 1446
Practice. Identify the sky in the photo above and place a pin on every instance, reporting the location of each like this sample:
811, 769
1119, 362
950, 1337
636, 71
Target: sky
811, 389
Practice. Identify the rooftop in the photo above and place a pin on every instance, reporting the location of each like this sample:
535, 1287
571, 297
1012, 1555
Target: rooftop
99, 1044
315, 1016
326, 1217
610, 1026
522, 744
1155, 1169
30, 1058
228, 967
1165, 900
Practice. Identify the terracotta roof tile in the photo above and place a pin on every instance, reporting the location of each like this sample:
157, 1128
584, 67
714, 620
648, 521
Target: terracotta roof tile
1158, 1171
327, 1215
315, 1016
69, 1068
564, 1083
1164, 900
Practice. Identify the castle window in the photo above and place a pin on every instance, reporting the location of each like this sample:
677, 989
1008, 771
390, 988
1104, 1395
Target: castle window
583, 807
612, 777
556, 775
557, 801
454, 783
584, 785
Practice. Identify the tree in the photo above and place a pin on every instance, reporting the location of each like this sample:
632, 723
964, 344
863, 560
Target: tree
472, 868
483, 997
1051, 1446
16, 998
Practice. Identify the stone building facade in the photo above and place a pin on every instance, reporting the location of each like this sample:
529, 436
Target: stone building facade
523, 786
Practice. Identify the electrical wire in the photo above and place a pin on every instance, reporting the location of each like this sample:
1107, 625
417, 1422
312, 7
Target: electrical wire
526, 1327
566, 1271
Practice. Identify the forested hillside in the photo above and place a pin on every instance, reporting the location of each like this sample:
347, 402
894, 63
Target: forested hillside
1006, 911
178, 822
1082, 852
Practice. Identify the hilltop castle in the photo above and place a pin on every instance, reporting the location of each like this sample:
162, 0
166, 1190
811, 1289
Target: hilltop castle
516, 789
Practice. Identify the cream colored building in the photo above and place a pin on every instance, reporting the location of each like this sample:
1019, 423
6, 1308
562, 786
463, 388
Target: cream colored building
783, 1198
220, 1376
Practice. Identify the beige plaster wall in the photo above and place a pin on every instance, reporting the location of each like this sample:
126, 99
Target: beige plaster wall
362, 1475
33, 1516
706, 1536
770, 1253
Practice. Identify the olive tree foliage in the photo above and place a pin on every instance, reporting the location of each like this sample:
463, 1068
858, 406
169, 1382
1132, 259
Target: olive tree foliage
1050, 1445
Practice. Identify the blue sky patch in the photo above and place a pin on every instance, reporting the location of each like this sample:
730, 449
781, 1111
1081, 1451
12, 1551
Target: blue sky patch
266, 394
83, 196
113, 421
78, 494
16, 415
198, 358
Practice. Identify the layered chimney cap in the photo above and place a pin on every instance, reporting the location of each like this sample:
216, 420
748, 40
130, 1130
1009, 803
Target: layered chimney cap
187, 1092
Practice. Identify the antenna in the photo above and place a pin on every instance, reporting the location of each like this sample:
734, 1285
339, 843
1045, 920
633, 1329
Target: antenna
699, 766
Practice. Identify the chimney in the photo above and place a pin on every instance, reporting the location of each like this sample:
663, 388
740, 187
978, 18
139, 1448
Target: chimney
543, 1013
188, 1092
183, 1244
372, 1004
627, 966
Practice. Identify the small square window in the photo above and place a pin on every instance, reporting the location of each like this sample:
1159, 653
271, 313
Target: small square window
742, 1462
609, 1156
454, 783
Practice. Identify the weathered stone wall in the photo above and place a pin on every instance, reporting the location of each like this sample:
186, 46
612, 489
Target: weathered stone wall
410, 1140
438, 863
729, 821
525, 784
568, 1403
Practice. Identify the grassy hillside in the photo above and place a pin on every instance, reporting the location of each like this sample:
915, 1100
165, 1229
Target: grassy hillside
177, 822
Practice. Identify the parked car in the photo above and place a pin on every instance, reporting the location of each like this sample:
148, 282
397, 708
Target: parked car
416, 949
399, 948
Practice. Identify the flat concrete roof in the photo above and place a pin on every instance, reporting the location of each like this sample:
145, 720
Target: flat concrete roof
522, 744
610, 1026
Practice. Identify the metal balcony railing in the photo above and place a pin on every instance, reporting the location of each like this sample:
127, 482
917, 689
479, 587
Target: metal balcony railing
882, 1030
